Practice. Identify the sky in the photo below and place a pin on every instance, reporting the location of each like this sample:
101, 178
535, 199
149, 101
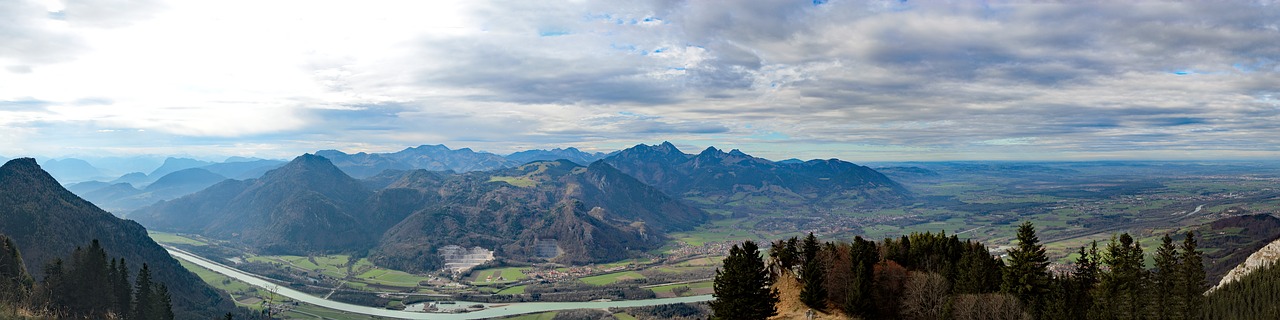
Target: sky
856, 80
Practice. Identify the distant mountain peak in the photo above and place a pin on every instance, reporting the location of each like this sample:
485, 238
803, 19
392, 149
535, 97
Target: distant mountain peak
667, 146
172, 164
25, 171
737, 153
310, 162
437, 147
21, 164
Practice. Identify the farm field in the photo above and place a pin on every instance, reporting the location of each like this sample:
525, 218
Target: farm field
612, 278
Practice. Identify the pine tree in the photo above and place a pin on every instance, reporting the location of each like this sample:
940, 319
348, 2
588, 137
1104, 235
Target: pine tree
123, 291
1082, 282
865, 256
1192, 278
1027, 275
813, 294
164, 304
1120, 290
15, 283
784, 253
742, 286
1164, 280
144, 298
1086, 272
52, 287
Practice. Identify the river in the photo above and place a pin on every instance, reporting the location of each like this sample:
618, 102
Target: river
500, 310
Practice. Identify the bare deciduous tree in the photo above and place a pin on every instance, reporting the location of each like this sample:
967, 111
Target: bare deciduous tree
924, 296
989, 306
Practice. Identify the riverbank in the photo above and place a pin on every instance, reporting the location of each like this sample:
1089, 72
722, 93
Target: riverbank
496, 311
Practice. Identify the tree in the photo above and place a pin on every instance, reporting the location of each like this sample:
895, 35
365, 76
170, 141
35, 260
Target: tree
123, 291
1120, 289
164, 304
1192, 278
144, 297
1027, 275
977, 271
15, 283
742, 286
52, 290
813, 294
924, 296
1079, 286
1164, 280
784, 253
990, 306
865, 256
890, 280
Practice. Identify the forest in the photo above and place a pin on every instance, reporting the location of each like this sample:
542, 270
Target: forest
89, 285
936, 276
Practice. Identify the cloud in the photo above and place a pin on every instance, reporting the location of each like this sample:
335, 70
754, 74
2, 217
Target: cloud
30, 37
882, 79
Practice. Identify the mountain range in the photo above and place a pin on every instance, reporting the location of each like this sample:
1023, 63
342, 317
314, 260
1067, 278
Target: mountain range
307, 205
571, 154
736, 183
47, 221
181, 177
593, 213
441, 158
71, 169
434, 158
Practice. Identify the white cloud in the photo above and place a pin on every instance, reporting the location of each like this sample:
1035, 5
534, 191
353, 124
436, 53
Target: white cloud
843, 79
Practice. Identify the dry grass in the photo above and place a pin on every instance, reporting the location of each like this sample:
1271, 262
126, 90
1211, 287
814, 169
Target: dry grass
790, 307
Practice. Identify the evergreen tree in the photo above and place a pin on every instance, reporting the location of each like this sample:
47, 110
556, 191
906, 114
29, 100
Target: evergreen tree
144, 298
784, 256
1192, 278
865, 256
1120, 289
52, 290
1086, 272
793, 246
164, 304
742, 286
977, 271
15, 283
1164, 281
123, 291
1027, 275
813, 294
1082, 281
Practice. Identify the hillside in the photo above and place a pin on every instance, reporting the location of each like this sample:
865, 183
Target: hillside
123, 197
308, 205
1228, 242
46, 221
593, 214
739, 183
434, 158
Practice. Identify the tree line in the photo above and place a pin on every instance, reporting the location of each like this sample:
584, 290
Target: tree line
90, 285
1253, 296
936, 276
